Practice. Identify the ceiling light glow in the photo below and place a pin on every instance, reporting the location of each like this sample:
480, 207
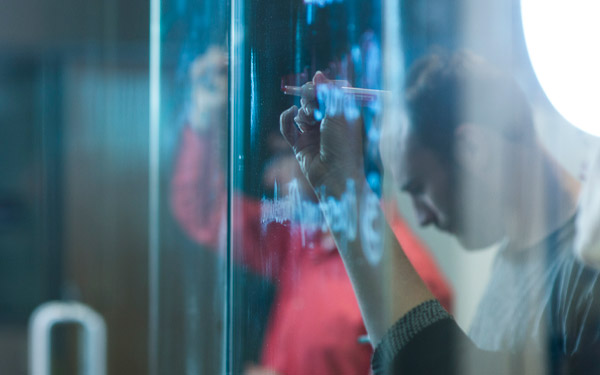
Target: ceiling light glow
563, 41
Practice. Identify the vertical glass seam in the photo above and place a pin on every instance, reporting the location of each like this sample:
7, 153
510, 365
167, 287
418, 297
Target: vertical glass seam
233, 39
154, 189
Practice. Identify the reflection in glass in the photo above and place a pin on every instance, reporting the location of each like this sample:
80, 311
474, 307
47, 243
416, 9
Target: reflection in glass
315, 325
305, 250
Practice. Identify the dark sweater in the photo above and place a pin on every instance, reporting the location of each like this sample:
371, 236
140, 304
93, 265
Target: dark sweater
540, 314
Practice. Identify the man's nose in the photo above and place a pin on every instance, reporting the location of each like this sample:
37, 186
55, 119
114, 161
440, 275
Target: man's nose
425, 215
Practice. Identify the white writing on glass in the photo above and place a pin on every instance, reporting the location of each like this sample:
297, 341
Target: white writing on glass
342, 216
371, 224
335, 102
342, 213
321, 3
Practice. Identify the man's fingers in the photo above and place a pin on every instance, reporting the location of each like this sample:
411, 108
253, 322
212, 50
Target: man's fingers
320, 79
287, 126
304, 144
305, 121
308, 92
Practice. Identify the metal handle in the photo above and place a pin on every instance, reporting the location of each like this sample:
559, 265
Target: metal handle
93, 340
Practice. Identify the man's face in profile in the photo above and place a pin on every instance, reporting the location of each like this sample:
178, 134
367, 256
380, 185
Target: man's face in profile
426, 180
444, 196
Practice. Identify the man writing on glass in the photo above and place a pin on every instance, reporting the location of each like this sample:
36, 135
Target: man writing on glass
469, 158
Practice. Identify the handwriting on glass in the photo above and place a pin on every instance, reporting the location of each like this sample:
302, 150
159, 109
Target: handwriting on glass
321, 3
342, 214
336, 102
308, 215
371, 225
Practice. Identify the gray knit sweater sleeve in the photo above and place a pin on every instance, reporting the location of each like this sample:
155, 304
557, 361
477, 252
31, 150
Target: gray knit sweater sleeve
403, 331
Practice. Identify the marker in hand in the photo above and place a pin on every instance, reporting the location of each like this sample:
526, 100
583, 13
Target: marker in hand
359, 95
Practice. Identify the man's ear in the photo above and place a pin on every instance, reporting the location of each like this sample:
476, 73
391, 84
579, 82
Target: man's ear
472, 149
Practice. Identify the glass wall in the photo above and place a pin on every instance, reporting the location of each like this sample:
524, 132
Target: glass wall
281, 187
188, 187
334, 165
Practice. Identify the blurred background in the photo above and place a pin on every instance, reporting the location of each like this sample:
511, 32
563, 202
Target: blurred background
74, 99
85, 212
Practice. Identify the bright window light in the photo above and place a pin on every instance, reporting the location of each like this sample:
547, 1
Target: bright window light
563, 40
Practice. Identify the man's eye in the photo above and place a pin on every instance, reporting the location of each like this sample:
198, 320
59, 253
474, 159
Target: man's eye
418, 190
413, 188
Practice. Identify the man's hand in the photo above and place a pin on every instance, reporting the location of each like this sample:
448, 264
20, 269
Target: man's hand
330, 153
327, 145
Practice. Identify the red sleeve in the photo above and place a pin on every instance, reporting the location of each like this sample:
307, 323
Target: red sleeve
419, 256
199, 204
198, 196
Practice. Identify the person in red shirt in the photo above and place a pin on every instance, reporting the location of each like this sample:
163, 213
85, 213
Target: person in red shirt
315, 323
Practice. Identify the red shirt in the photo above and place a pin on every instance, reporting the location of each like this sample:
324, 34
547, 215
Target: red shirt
315, 321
